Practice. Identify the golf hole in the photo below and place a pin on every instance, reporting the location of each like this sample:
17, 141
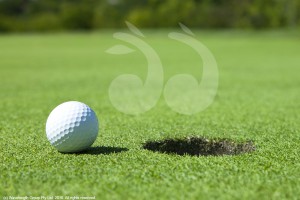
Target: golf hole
199, 146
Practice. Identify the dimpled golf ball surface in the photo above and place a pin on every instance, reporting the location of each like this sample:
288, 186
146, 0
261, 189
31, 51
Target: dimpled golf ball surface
71, 127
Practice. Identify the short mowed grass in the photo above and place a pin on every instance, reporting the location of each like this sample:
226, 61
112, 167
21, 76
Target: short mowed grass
258, 100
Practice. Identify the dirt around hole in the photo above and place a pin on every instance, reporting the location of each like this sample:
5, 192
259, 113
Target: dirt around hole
200, 146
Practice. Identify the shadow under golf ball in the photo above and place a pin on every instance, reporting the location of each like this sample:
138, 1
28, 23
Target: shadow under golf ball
102, 150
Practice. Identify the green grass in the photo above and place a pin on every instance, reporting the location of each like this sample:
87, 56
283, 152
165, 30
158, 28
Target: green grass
258, 100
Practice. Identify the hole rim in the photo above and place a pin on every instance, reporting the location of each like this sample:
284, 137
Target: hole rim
200, 146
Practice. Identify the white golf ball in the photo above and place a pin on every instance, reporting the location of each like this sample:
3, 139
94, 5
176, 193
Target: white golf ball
72, 126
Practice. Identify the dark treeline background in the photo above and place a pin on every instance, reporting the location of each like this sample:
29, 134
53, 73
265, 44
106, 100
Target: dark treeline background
45, 15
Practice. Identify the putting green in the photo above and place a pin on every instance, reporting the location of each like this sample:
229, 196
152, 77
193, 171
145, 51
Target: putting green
257, 99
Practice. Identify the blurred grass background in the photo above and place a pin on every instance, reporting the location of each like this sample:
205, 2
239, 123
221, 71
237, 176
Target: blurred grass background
53, 15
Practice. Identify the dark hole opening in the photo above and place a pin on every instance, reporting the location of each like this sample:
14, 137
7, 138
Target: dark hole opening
199, 146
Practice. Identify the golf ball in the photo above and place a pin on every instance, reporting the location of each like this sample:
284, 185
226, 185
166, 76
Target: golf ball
71, 127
